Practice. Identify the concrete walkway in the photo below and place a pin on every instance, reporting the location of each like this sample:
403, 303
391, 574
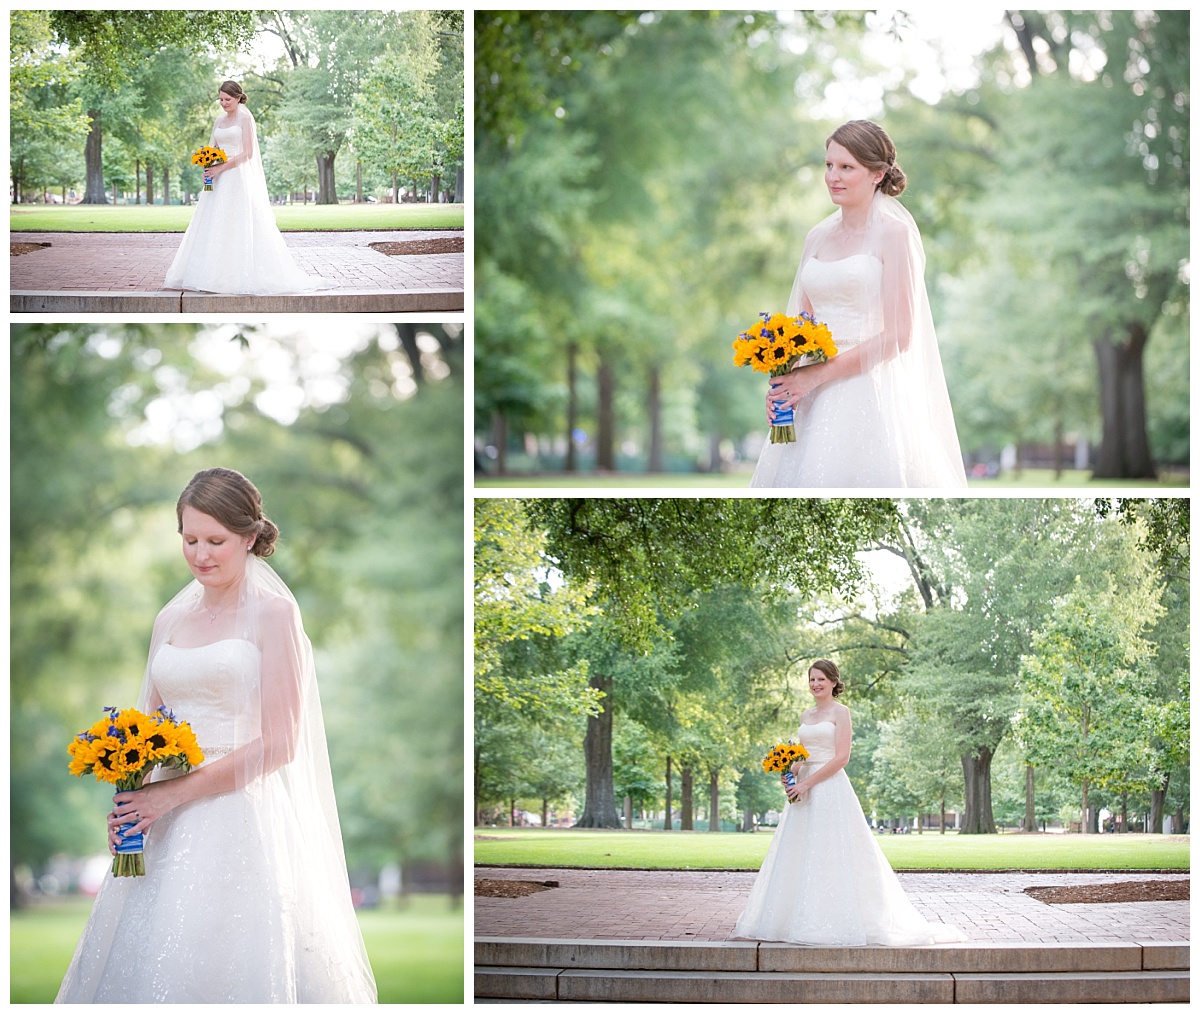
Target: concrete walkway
101, 272
703, 906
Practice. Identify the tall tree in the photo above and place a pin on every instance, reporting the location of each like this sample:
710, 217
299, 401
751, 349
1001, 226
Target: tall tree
110, 45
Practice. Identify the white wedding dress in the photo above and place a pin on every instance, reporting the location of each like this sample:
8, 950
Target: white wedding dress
824, 880
890, 425
232, 244
221, 915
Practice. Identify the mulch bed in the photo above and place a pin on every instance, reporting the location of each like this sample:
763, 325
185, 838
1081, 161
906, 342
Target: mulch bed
1099, 894
511, 888
416, 247
16, 249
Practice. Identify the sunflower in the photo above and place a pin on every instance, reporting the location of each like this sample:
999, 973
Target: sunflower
107, 763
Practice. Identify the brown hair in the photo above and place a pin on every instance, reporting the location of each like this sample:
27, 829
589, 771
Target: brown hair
233, 500
823, 665
870, 145
234, 89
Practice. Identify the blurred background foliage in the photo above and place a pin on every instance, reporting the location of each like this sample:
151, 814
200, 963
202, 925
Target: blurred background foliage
644, 181
353, 435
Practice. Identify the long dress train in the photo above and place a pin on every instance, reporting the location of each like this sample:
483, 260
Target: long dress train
232, 244
825, 880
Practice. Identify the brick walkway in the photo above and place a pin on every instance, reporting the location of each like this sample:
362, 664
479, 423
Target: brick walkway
138, 262
676, 905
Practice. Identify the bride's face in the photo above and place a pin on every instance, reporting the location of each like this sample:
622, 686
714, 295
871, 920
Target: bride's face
228, 102
819, 685
216, 556
850, 183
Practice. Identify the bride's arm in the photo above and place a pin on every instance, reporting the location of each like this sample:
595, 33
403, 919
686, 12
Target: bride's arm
896, 336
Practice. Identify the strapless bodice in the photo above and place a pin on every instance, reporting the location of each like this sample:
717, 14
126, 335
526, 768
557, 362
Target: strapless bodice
817, 739
228, 139
835, 289
206, 686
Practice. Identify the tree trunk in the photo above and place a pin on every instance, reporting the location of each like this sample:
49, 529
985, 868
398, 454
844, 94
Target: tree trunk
714, 801
512, 813
685, 799
572, 463
1058, 448
500, 441
114, 200
1085, 823
1124, 812
667, 819
358, 183
137, 181
942, 825
477, 779
1030, 822
977, 778
149, 184
1124, 447
435, 185
94, 194
459, 183
395, 188
166, 187
654, 411
1158, 799
606, 384
628, 814
600, 800
748, 819
326, 191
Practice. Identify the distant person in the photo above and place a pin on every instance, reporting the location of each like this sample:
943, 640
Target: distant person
824, 880
877, 414
245, 898
232, 243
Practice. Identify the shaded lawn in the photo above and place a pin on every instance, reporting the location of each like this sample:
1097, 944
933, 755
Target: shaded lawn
928, 851
1029, 479
416, 951
175, 217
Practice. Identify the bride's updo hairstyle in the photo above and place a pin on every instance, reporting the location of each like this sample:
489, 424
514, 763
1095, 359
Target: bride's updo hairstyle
233, 500
870, 145
235, 89
823, 665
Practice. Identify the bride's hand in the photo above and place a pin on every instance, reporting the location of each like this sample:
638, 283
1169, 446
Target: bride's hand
791, 388
141, 807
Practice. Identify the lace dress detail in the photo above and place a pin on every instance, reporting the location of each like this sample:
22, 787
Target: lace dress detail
824, 880
214, 919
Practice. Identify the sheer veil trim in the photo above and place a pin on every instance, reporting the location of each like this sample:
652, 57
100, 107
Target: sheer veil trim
279, 735
912, 390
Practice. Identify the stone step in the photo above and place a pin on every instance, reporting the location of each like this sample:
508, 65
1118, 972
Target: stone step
652, 986
753, 956
750, 972
432, 300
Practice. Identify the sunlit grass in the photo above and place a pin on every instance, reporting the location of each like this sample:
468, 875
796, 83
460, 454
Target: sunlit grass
928, 851
416, 950
1029, 479
175, 217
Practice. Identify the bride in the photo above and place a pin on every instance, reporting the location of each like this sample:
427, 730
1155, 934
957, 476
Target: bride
824, 880
245, 898
877, 414
232, 243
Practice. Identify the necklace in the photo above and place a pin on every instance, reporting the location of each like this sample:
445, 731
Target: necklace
212, 617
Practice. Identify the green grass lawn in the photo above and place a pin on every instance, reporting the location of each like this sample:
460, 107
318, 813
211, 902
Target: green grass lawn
930, 851
416, 951
175, 217
1029, 479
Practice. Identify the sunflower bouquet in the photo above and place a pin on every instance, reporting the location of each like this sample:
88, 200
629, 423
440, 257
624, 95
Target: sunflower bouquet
781, 758
122, 749
775, 344
206, 157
